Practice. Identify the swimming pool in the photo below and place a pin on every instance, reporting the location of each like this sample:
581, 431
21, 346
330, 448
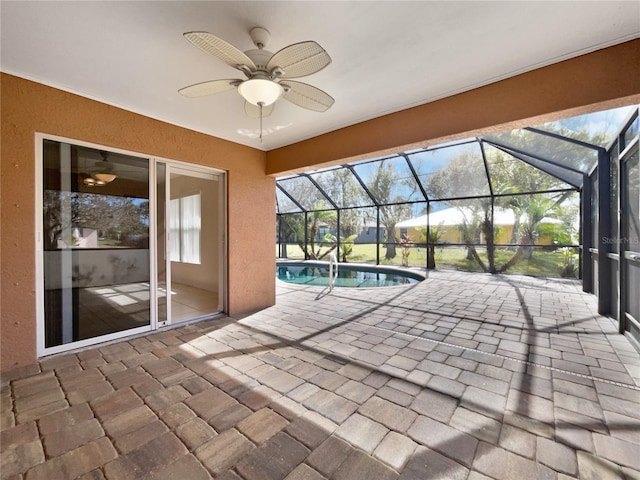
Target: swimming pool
354, 276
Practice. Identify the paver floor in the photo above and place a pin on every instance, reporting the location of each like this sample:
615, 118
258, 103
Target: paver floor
461, 376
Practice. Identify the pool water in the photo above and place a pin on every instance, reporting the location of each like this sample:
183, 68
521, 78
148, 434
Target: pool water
348, 276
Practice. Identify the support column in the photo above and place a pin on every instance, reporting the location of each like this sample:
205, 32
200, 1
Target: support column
377, 235
306, 235
604, 232
586, 235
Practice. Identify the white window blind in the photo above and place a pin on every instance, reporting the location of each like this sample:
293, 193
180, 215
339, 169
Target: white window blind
185, 225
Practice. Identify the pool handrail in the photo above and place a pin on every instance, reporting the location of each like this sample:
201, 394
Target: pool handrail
332, 278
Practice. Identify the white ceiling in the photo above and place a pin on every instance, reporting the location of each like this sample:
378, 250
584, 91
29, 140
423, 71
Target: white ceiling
387, 56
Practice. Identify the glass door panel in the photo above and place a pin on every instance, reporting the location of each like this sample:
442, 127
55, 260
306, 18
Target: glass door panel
161, 248
96, 243
194, 246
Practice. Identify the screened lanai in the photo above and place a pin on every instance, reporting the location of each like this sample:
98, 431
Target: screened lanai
528, 201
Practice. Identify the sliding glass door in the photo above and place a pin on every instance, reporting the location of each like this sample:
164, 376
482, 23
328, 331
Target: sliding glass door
95, 219
127, 244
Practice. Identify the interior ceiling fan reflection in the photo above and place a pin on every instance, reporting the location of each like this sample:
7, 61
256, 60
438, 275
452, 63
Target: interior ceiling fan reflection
268, 75
101, 174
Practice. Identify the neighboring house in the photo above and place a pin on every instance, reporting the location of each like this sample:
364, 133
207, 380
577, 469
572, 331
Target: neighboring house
78, 237
449, 220
368, 233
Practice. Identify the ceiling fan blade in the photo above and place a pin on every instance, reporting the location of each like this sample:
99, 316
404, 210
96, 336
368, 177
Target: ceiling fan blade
220, 49
307, 96
209, 88
253, 111
299, 60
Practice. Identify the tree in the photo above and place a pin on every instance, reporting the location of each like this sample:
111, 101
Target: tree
291, 229
57, 216
315, 220
462, 176
477, 222
512, 176
465, 175
344, 190
382, 187
346, 246
537, 208
295, 228
105, 213
435, 234
578, 157
529, 203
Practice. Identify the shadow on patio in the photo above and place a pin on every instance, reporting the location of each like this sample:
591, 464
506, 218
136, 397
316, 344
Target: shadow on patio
461, 376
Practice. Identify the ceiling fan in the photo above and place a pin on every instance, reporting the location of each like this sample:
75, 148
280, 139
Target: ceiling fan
268, 75
101, 174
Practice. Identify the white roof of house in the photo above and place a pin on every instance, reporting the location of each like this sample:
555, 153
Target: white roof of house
456, 216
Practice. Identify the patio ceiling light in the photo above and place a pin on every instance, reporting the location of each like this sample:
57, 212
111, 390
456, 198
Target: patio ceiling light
260, 91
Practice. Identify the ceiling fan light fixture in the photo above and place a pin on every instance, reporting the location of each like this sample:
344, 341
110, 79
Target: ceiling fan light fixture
104, 177
92, 182
260, 91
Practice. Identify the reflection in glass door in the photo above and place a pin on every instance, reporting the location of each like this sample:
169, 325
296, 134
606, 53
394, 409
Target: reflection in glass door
95, 243
194, 246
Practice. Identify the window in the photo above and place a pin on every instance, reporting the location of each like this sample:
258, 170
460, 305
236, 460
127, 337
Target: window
185, 226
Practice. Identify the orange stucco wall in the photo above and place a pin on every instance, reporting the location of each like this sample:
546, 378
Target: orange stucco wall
603, 79
29, 107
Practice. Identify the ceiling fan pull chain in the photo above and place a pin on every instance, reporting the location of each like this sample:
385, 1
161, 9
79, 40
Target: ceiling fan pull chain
260, 105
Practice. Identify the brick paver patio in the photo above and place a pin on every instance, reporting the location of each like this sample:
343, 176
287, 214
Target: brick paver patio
463, 376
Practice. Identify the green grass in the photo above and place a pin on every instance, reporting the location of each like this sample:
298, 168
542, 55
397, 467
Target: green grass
543, 263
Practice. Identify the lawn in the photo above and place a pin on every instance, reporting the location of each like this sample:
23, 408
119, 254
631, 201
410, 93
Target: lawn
543, 263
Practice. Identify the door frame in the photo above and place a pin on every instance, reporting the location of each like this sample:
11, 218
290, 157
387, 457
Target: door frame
39, 138
188, 169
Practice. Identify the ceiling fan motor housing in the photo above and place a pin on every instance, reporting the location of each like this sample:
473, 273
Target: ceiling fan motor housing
260, 58
260, 37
